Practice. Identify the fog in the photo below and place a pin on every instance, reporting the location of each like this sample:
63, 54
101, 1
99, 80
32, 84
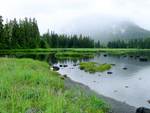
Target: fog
67, 16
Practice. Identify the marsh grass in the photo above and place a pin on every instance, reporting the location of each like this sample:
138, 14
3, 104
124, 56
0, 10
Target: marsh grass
74, 55
93, 67
28, 85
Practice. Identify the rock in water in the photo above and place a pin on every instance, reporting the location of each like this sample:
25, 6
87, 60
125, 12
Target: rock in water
125, 68
105, 55
65, 65
109, 72
55, 68
148, 101
142, 110
60, 65
143, 59
65, 76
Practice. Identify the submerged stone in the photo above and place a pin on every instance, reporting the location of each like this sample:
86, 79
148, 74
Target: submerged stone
60, 65
143, 59
142, 110
65, 65
125, 68
55, 68
109, 72
105, 55
131, 56
65, 76
148, 101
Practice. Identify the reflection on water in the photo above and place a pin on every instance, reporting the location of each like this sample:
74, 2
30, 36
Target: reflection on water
131, 85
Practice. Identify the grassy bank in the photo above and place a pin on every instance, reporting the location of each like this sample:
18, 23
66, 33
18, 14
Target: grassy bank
28, 85
74, 50
93, 67
73, 55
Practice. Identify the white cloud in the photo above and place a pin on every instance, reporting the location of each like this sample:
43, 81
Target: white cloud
55, 14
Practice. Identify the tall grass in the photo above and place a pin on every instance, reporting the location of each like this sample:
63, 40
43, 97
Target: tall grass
29, 86
93, 67
73, 55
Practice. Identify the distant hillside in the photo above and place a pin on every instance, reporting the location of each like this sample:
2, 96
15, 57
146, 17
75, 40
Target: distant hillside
107, 28
122, 30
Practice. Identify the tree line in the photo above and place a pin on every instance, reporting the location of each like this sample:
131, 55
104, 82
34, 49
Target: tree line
143, 43
53, 40
24, 34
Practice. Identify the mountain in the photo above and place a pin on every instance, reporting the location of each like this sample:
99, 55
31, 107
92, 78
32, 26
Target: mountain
107, 28
122, 30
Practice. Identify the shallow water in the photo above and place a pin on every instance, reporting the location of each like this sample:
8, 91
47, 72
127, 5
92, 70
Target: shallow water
131, 86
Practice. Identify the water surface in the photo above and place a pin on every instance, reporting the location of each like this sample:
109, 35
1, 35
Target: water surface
131, 86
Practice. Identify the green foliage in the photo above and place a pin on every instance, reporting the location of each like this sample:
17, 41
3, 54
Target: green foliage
28, 85
93, 67
17, 35
74, 55
132, 43
24, 34
64, 41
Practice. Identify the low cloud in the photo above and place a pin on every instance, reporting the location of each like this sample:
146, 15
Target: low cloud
56, 14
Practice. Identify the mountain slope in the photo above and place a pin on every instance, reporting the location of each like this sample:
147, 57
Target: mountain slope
123, 30
107, 28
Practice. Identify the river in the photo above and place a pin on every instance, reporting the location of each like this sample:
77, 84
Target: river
130, 85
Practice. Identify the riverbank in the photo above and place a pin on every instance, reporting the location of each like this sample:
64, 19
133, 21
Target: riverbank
115, 106
30, 86
51, 50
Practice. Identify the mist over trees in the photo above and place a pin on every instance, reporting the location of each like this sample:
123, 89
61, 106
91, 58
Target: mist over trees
24, 34
143, 43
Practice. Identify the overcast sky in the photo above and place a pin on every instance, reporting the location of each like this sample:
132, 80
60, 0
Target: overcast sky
55, 14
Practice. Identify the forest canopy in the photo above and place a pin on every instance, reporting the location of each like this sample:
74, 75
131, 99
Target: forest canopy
24, 34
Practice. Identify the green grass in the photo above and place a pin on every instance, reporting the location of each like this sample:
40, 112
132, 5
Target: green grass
73, 50
27, 84
73, 55
93, 67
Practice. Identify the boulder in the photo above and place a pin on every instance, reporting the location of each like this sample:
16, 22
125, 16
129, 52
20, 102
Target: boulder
55, 68
142, 110
148, 101
65, 65
143, 59
65, 76
62, 77
105, 55
109, 72
60, 65
125, 68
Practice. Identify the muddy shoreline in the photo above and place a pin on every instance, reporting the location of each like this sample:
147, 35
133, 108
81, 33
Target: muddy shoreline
116, 106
